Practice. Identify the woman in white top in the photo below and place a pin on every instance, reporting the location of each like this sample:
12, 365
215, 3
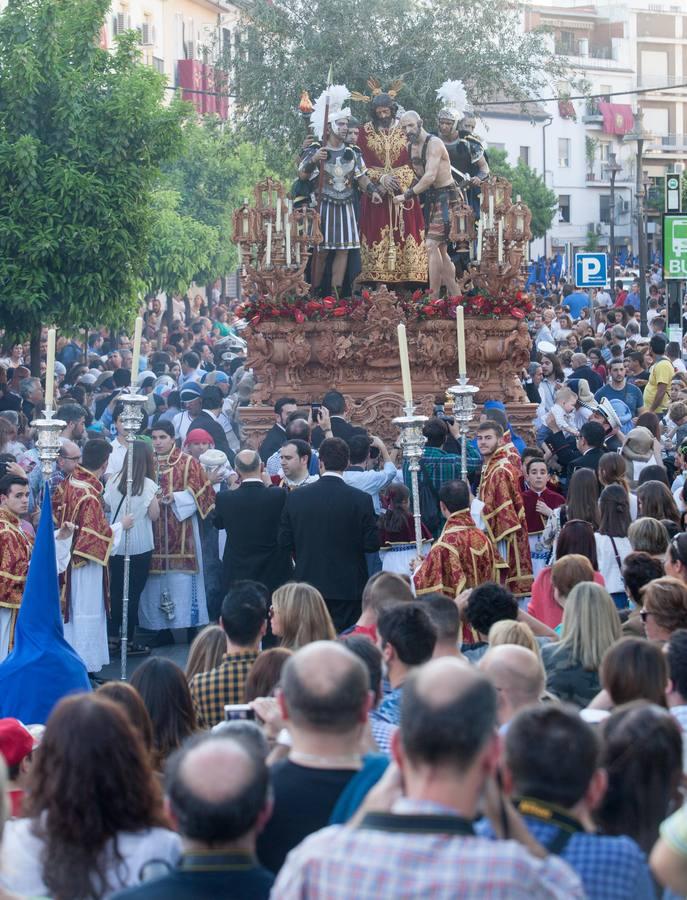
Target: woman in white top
145, 509
612, 542
612, 469
95, 816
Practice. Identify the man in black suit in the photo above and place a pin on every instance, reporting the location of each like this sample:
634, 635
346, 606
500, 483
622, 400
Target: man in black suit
251, 515
329, 527
335, 403
590, 443
208, 419
277, 433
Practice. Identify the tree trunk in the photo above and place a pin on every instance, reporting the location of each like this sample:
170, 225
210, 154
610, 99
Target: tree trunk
35, 351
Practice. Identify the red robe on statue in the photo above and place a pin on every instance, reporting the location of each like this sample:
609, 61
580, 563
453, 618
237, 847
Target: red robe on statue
504, 518
392, 247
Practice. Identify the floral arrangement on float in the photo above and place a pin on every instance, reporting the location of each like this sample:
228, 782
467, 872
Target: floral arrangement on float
418, 306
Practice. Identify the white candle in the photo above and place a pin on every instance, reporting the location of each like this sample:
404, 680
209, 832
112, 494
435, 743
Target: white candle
50, 370
480, 227
405, 365
279, 201
268, 251
527, 251
501, 241
287, 233
136, 358
298, 253
491, 210
460, 329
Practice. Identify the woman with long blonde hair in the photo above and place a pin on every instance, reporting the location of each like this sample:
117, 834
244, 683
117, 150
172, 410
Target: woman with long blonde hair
591, 624
207, 651
300, 616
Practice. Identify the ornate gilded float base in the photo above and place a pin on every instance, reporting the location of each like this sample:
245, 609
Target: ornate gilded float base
359, 357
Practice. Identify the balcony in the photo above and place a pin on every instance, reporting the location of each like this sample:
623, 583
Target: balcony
668, 143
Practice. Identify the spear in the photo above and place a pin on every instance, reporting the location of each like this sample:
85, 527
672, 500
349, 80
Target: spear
317, 259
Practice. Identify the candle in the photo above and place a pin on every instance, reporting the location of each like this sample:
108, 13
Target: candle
278, 214
287, 231
405, 365
501, 241
460, 328
527, 251
298, 253
480, 226
136, 358
268, 251
50, 371
491, 210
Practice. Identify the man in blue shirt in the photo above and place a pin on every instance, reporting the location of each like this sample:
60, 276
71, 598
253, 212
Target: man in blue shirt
619, 388
577, 301
556, 791
633, 298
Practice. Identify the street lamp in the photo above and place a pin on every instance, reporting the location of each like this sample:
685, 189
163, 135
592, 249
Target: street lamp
639, 136
612, 167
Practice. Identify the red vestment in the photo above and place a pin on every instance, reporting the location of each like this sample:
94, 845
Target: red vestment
15, 553
536, 521
392, 238
463, 557
79, 501
504, 518
179, 472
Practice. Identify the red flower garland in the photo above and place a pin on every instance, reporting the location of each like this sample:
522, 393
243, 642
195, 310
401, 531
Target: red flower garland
416, 307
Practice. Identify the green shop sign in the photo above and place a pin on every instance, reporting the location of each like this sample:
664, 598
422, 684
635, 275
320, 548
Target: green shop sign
675, 247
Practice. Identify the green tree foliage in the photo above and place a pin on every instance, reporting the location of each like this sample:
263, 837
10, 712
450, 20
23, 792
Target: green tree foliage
182, 249
82, 134
541, 200
213, 173
288, 45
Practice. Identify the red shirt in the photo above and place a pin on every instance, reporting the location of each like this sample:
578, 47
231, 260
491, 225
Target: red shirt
543, 606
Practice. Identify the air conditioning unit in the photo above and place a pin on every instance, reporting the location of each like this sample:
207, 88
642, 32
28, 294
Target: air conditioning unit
147, 31
121, 22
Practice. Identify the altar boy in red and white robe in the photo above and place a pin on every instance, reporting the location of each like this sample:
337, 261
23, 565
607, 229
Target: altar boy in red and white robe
85, 596
540, 501
503, 513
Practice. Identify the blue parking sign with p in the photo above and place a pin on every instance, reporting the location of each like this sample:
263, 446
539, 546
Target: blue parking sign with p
591, 269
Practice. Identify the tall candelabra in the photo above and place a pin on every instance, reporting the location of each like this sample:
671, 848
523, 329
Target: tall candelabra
463, 395
412, 444
132, 416
48, 442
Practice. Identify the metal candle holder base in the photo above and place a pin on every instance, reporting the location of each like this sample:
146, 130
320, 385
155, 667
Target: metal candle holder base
132, 416
48, 442
412, 445
464, 410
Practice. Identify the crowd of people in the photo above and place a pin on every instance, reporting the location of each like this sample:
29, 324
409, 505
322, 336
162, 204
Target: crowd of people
500, 712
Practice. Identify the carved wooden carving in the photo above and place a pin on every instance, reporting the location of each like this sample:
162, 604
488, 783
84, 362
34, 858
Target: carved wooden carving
359, 357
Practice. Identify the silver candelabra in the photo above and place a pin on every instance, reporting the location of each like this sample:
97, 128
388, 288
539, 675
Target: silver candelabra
463, 395
132, 416
412, 445
48, 442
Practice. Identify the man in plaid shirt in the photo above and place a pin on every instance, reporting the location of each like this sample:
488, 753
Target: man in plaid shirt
438, 466
425, 845
556, 791
244, 619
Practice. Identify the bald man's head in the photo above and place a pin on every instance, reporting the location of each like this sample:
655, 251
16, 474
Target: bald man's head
518, 676
325, 688
448, 713
410, 124
247, 463
217, 789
